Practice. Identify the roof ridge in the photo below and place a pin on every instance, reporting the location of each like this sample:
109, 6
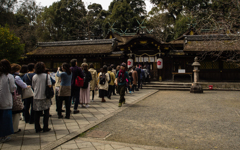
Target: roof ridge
76, 42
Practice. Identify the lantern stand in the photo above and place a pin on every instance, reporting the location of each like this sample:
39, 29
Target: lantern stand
196, 87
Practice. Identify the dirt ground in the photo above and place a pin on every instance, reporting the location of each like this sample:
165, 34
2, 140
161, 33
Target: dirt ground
179, 119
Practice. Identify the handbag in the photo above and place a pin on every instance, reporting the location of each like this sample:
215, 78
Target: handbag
49, 90
17, 102
27, 93
79, 81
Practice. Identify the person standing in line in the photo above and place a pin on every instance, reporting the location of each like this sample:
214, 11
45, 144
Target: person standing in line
40, 102
65, 90
142, 77
121, 76
111, 84
146, 74
103, 83
131, 78
113, 69
57, 87
52, 81
93, 82
85, 90
139, 73
100, 70
7, 87
23, 71
135, 79
117, 69
114, 72
28, 102
75, 91
15, 69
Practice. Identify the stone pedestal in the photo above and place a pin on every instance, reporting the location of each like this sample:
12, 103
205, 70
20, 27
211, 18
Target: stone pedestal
196, 88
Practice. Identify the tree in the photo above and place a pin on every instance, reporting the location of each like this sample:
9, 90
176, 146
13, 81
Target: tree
169, 18
125, 14
93, 21
62, 21
30, 9
25, 23
10, 46
6, 11
138, 6
221, 17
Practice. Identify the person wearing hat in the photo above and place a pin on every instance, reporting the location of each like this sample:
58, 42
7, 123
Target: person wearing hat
121, 77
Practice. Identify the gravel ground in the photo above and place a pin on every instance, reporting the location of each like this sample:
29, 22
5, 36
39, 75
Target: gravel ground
179, 119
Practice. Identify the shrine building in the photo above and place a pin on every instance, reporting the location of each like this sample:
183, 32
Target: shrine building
176, 57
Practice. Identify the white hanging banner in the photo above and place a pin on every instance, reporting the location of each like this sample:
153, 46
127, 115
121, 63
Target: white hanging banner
151, 59
136, 59
159, 63
145, 59
140, 59
130, 63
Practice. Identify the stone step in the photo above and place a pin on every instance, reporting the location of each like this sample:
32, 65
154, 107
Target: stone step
167, 86
188, 89
216, 85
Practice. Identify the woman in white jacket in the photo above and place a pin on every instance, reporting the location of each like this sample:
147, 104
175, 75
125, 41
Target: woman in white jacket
7, 87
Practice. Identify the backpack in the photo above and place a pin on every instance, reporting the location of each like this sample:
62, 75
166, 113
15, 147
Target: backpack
120, 79
102, 79
85, 81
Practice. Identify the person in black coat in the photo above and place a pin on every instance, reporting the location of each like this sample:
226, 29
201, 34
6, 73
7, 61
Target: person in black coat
139, 73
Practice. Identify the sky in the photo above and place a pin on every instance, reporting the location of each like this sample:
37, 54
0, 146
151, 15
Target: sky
104, 3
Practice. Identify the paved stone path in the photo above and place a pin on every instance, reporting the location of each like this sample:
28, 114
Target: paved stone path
93, 144
66, 129
178, 119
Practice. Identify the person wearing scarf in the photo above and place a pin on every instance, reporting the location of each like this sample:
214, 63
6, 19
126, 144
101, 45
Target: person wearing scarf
121, 77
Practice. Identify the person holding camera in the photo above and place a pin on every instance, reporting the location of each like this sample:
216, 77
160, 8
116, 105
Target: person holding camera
65, 90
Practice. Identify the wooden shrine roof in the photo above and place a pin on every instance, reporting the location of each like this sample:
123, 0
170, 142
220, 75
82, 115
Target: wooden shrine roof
102, 46
75, 42
218, 42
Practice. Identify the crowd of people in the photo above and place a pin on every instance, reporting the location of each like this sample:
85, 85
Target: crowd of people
73, 85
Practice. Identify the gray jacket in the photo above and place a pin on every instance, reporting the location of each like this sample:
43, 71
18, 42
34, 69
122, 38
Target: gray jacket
7, 87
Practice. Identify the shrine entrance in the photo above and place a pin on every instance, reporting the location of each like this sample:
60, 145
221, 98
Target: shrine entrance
144, 50
150, 62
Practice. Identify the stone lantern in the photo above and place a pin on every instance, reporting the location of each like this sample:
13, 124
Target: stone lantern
196, 88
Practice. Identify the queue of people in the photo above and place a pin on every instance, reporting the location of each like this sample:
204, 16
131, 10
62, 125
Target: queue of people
73, 85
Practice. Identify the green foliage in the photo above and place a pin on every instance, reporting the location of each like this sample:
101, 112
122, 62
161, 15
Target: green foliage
171, 18
30, 10
181, 26
6, 11
61, 21
10, 46
125, 14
